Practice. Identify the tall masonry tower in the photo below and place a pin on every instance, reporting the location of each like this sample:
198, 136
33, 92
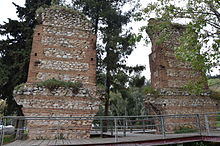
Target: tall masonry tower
64, 49
169, 75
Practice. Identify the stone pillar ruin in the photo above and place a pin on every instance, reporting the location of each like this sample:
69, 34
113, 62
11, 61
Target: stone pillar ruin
169, 75
63, 48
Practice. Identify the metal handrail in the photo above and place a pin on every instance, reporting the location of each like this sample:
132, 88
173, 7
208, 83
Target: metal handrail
200, 122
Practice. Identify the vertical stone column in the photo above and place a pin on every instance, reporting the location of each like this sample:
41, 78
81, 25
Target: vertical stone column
169, 75
64, 48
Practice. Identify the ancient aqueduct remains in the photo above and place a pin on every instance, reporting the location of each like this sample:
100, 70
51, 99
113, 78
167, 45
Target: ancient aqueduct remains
64, 49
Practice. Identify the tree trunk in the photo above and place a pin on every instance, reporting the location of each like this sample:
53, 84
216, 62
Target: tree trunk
108, 84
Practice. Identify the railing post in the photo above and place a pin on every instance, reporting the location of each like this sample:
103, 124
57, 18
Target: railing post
207, 124
58, 129
198, 123
116, 130
101, 126
112, 125
124, 126
17, 128
162, 126
131, 126
2, 132
143, 125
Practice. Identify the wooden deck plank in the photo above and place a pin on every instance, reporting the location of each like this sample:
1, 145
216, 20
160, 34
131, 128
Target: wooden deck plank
19, 143
85, 141
15, 143
23, 143
66, 141
59, 142
29, 143
129, 138
75, 141
108, 140
93, 140
44, 142
52, 142
36, 142
81, 141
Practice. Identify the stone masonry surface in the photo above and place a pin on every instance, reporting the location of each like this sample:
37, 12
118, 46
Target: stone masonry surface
45, 76
66, 32
59, 53
63, 65
167, 71
169, 76
58, 17
64, 49
64, 42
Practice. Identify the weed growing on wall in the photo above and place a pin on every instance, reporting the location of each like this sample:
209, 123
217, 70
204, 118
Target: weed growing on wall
53, 84
152, 91
18, 87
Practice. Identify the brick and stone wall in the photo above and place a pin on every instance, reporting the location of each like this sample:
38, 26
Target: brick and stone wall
166, 70
169, 75
64, 49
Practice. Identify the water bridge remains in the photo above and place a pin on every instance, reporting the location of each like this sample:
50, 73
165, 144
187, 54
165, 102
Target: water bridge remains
63, 49
169, 76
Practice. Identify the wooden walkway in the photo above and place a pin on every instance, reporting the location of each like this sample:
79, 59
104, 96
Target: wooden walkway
128, 140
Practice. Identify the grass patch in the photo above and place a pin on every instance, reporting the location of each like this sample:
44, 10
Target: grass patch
18, 87
53, 84
218, 124
150, 90
214, 85
212, 82
218, 121
184, 129
215, 95
8, 139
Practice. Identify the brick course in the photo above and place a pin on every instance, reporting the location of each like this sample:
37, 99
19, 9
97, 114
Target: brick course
169, 75
64, 48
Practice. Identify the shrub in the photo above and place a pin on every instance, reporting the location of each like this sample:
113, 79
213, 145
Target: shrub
215, 95
150, 90
8, 139
18, 87
218, 121
53, 84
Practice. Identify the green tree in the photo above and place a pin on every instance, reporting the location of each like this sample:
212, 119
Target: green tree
137, 81
200, 43
15, 50
130, 100
114, 43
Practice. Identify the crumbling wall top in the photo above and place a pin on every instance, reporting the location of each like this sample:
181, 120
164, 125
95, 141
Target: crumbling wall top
164, 29
60, 16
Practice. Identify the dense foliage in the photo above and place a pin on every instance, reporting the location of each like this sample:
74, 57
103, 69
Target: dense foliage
214, 85
129, 101
114, 45
200, 43
15, 50
203, 26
